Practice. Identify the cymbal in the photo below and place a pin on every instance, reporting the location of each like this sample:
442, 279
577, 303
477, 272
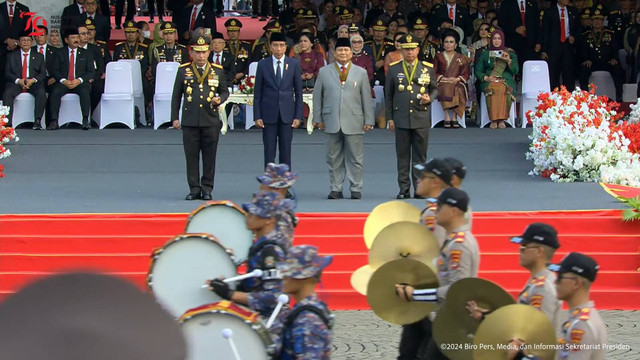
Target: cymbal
515, 321
385, 214
382, 297
404, 239
453, 325
360, 278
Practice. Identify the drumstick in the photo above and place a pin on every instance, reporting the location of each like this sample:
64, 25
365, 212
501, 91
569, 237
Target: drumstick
228, 334
254, 273
282, 299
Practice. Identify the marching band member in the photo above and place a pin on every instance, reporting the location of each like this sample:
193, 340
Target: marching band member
436, 176
538, 244
306, 329
260, 294
278, 178
458, 171
459, 258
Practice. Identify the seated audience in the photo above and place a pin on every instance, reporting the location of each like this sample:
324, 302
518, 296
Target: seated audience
452, 72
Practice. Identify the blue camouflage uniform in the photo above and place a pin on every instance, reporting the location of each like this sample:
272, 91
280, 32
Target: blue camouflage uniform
304, 332
278, 176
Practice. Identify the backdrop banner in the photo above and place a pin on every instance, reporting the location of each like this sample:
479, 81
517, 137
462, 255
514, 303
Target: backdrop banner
46, 10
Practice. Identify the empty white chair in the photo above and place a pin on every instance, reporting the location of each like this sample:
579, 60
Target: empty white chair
70, 110
484, 113
535, 79
253, 67
117, 102
604, 84
138, 95
437, 115
23, 106
165, 79
630, 93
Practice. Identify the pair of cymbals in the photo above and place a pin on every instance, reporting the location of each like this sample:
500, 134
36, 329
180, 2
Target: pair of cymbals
453, 325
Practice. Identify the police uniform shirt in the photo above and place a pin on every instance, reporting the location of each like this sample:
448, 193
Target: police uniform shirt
599, 47
197, 109
137, 52
428, 50
163, 53
104, 51
540, 292
241, 52
459, 258
583, 335
428, 219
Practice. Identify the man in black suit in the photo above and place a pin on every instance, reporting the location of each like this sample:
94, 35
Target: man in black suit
71, 16
559, 43
97, 82
194, 16
12, 26
49, 52
520, 19
26, 72
459, 15
101, 22
131, 11
221, 57
73, 71
200, 120
105, 9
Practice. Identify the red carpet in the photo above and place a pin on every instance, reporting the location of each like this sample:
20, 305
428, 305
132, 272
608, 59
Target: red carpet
36, 245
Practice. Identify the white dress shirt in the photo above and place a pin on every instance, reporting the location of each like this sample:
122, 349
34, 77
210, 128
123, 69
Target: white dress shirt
275, 65
22, 54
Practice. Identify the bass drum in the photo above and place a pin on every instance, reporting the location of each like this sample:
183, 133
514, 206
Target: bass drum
180, 268
225, 221
202, 328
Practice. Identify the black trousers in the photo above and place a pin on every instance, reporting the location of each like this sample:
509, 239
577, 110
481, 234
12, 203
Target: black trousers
83, 91
131, 10
416, 342
105, 9
198, 140
277, 135
563, 63
411, 149
152, 8
37, 90
615, 71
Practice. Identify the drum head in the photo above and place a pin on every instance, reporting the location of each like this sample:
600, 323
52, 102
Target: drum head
182, 266
203, 334
225, 221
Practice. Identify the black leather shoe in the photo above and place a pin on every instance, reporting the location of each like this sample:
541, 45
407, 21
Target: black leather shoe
335, 195
37, 125
403, 196
356, 195
416, 196
53, 126
206, 196
193, 196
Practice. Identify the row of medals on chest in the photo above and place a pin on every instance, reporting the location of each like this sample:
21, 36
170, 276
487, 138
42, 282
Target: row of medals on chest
423, 80
212, 81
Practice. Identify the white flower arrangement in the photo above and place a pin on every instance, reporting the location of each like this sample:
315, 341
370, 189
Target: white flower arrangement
575, 138
634, 115
6, 134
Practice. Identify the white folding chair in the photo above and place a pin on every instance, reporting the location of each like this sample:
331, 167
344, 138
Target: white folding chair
630, 93
484, 116
378, 102
165, 79
70, 110
535, 79
23, 107
604, 84
253, 67
138, 95
117, 102
437, 115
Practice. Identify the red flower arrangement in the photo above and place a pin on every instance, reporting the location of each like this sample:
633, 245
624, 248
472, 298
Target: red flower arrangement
247, 85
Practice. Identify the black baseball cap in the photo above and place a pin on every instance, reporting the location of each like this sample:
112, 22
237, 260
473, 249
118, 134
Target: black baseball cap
453, 197
438, 167
578, 264
539, 233
457, 167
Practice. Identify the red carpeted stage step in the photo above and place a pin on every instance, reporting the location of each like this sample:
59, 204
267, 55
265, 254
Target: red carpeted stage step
36, 245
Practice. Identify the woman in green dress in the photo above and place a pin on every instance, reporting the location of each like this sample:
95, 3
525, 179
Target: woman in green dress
496, 69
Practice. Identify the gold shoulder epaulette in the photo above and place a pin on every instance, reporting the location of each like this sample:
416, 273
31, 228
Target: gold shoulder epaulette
120, 43
181, 46
256, 43
101, 42
395, 62
216, 65
426, 63
244, 42
185, 65
143, 45
388, 43
586, 32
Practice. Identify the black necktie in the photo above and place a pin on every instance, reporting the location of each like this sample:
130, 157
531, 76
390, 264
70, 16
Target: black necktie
278, 73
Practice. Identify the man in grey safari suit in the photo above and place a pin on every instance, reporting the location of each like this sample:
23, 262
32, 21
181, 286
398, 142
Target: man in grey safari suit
343, 108
410, 87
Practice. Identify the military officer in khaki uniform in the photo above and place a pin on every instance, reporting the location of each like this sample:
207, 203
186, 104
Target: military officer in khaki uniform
202, 88
583, 336
133, 49
240, 50
538, 244
459, 258
380, 47
599, 52
170, 51
409, 89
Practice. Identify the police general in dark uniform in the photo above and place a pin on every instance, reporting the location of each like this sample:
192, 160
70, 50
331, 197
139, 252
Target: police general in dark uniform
379, 49
240, 50
202, 88
409, 90
170, 51
599, 52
